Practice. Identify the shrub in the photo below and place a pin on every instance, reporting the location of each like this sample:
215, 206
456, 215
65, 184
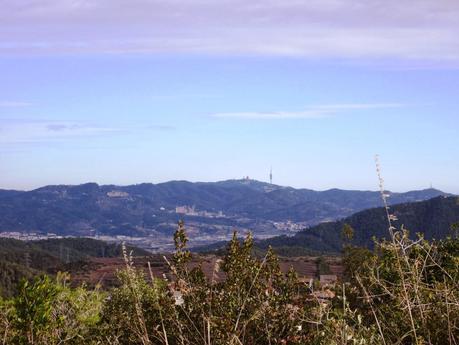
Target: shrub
49, 312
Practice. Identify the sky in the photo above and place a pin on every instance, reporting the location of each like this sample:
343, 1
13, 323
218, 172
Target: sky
125, 92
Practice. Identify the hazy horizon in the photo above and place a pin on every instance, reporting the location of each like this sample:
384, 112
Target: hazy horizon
203, 91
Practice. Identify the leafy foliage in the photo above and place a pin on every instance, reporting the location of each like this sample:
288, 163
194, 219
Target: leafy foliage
49, 312
403, 292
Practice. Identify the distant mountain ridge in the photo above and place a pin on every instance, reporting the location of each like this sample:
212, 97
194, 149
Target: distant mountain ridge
142, 208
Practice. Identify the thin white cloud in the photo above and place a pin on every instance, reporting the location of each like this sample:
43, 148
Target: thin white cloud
30, 131
314, 112
14, 131
357, 106
160, 128
13, 104
409, 30
276, 115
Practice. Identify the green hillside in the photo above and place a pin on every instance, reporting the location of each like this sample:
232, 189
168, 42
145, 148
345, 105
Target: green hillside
433, 218
19, 259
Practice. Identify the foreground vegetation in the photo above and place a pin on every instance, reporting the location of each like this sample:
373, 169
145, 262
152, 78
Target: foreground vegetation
403, 292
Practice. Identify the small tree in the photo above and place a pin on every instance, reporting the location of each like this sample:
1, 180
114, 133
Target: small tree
347, 235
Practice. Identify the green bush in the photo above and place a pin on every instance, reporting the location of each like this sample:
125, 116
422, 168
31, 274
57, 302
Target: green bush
49, 312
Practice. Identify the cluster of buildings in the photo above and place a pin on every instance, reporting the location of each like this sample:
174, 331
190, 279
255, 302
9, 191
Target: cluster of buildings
191, 211
117, 194
24, 236
289, 226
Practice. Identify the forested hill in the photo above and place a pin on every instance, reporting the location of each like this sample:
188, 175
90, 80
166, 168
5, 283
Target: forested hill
19, 259
140, 209
434, 218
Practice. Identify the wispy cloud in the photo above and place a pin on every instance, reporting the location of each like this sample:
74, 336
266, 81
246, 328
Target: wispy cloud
31, 131
13, 104
358, 106
276, 115
160, 127
14, 131
409, 30
313, 112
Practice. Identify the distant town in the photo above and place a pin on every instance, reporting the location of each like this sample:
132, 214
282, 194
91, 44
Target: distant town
158, 242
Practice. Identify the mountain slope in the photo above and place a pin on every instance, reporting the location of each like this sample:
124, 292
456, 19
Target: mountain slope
145, 208
433, 218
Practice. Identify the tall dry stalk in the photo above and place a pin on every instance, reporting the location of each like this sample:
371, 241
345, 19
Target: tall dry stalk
413, 292
141, 328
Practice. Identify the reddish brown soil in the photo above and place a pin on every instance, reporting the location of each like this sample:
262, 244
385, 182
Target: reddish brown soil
103, 270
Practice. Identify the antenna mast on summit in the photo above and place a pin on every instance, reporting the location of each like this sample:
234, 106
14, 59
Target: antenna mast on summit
271, 176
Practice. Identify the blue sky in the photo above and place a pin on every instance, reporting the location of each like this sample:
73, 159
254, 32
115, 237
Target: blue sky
99, 91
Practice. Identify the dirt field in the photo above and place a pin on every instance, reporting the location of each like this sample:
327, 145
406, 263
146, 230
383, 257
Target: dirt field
103, 270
